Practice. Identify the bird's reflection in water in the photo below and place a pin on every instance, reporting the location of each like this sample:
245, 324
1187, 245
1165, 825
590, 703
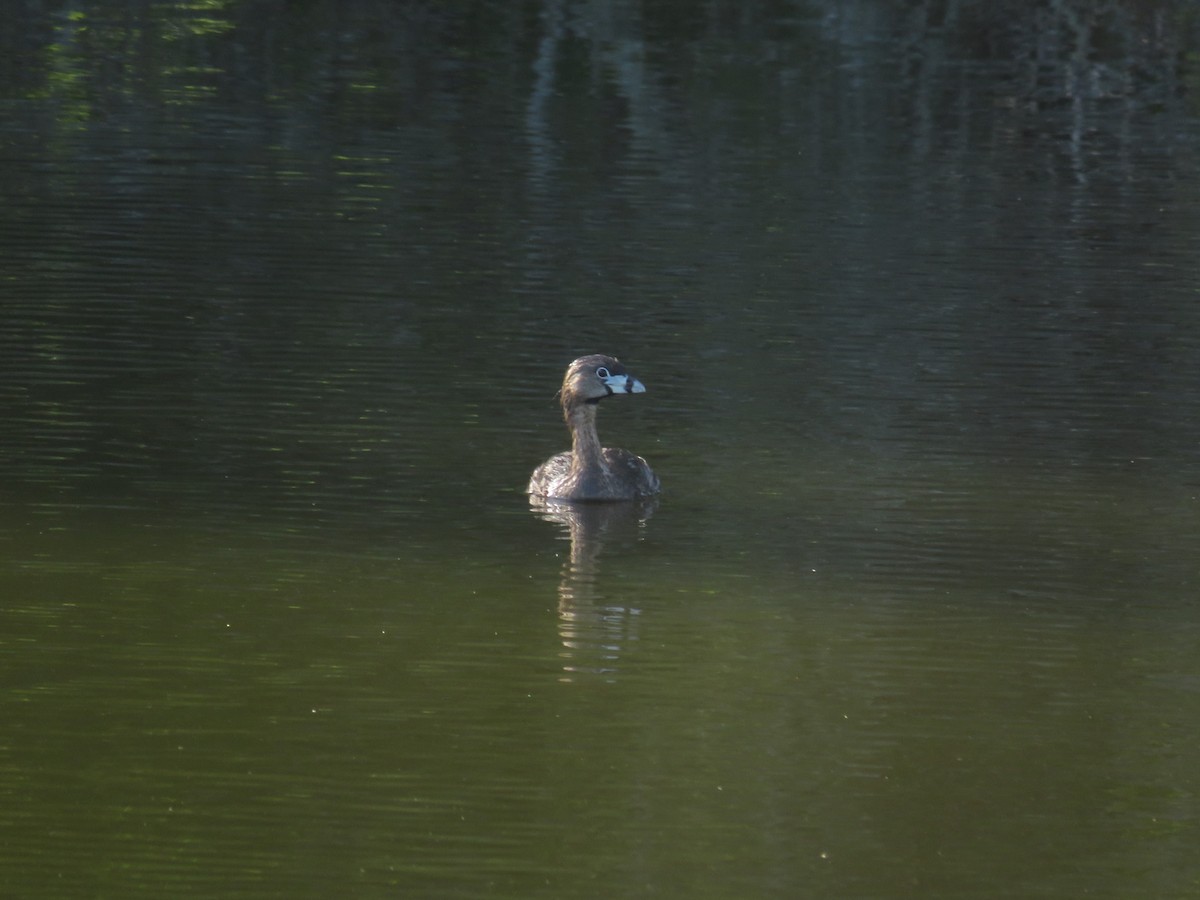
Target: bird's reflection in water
593, 627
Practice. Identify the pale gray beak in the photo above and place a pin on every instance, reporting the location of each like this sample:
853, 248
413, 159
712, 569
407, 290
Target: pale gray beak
624, 384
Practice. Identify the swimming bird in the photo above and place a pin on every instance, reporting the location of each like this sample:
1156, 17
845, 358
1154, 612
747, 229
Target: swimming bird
588, 471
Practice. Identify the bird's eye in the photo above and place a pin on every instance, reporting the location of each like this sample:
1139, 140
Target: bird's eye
602, 372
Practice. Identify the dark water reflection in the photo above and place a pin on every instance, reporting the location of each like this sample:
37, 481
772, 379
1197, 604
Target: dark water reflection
285, 302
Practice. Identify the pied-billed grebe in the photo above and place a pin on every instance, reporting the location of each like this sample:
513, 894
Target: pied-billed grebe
588, 471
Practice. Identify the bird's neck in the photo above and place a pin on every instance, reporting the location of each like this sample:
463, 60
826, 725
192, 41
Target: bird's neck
585, 442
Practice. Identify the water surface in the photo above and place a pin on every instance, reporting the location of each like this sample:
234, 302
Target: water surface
285, 303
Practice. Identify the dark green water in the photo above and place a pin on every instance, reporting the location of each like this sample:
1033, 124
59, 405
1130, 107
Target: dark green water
285, 296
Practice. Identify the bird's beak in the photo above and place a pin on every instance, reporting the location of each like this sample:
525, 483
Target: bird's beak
624, 384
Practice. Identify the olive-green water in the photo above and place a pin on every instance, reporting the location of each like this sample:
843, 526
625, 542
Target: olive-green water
286, 293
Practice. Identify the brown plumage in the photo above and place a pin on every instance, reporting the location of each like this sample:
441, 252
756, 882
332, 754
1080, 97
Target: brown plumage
588, 471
